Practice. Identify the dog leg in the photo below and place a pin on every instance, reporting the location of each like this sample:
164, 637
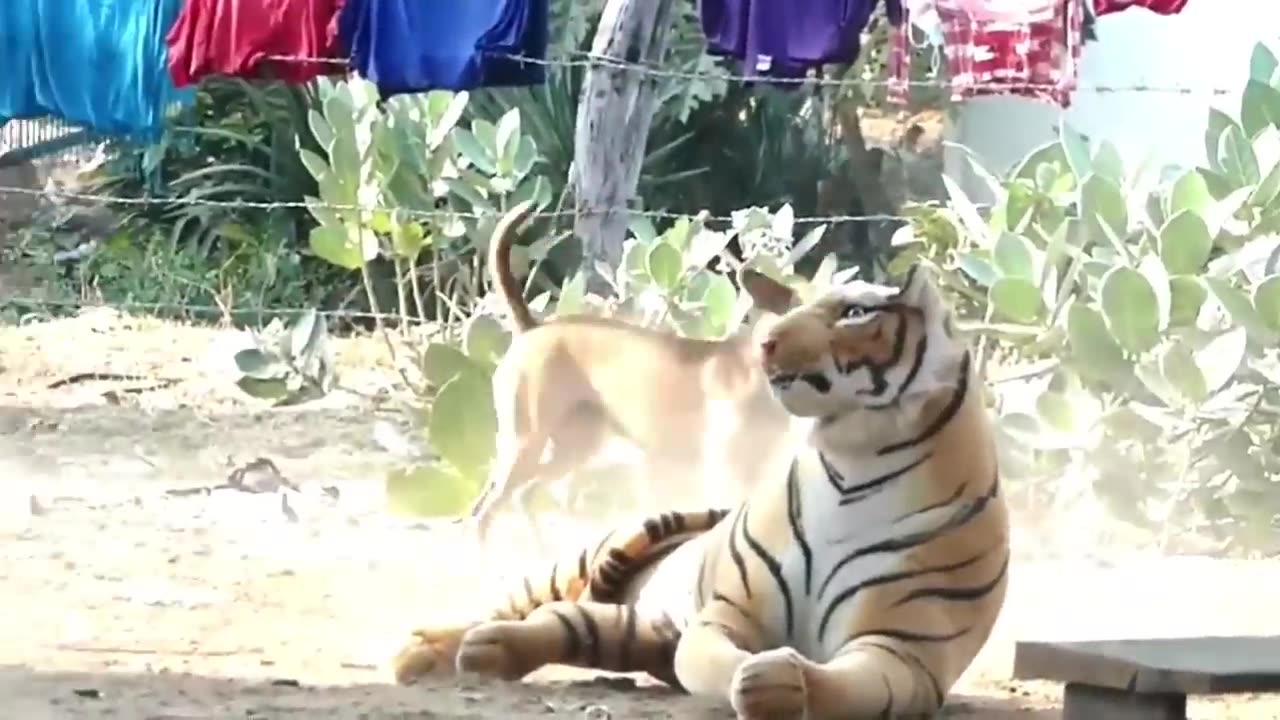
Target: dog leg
514, 468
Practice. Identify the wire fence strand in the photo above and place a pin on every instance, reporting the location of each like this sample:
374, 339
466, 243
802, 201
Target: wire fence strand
588, 60
575, 60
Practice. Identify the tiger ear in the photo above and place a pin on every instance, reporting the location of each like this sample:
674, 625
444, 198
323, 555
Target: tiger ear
768, 294
919, 288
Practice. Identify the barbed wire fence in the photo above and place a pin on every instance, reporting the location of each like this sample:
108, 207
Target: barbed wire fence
19, 134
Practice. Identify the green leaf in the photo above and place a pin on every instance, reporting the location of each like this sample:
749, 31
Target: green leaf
718, 305
1103, 207
263, 389
1262, 64
1235, 157
507, 138
967, 212
334, 245
1191, 192
664, 265
1108, 163
252, 362
442, 363
1266, 301
1181, 373
1076, 148
1131, 309
1220, 358
408, 239
430, 491
1239, 307
642, 228
1093, 346
1153, 270
1259, 107
572, 296
464, 426
1015, 256
1185, 243
704, 247
1017, 299
1186, 295
305, 333
473, 151
977, 268
484, 339
321, 130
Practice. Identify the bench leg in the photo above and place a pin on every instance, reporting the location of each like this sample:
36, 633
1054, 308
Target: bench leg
1091, 702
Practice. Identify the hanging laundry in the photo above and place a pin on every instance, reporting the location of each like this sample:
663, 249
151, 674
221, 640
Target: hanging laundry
775, 39
93, 63
241, 37
1160, 7
406, 46
1033, 54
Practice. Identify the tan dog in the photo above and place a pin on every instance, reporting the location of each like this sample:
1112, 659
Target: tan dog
699, 410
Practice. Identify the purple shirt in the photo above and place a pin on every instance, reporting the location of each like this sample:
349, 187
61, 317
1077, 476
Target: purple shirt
784, 38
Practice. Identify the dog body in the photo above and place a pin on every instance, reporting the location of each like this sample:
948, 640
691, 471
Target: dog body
568, 387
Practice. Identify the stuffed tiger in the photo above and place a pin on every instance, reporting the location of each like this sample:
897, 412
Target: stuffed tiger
859, 585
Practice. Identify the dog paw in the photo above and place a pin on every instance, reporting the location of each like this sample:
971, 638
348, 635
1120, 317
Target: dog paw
428, 652
491, 650
770, 686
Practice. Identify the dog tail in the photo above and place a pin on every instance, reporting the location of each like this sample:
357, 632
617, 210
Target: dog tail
500, 265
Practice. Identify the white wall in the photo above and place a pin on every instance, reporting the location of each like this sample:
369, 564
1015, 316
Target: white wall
1206, 46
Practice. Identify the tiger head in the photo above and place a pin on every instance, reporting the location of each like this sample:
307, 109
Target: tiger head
857, 346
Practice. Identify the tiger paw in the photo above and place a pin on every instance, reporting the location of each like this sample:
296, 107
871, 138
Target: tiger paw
770, 686
428, 652
492, 649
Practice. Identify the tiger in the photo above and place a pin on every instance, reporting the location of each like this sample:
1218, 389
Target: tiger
860, 583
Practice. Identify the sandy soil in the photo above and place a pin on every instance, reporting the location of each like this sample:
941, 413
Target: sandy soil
126, 599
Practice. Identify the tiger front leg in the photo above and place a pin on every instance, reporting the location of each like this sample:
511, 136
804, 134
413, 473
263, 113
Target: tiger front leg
430, 651
599, 636
867, 680
720, 656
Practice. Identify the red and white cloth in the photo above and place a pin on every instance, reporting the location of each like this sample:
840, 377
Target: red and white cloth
1034, 53
1159, 7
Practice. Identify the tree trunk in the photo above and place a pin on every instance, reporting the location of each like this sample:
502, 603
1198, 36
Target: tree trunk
614, 115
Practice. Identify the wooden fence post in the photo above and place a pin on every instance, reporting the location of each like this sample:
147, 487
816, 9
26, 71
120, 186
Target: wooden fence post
614, 114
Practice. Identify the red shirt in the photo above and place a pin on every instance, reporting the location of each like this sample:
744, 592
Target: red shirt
1161, 7
1035, 58
235, 37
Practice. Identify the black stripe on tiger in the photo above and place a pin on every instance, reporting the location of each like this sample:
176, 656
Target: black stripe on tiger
892, 577
796, 522
944, 417
962, 514
774, 567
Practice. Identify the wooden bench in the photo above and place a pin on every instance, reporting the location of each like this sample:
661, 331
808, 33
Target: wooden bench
1149, 679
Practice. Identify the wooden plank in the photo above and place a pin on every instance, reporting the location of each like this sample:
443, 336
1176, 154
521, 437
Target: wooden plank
1201, 665
1090, 702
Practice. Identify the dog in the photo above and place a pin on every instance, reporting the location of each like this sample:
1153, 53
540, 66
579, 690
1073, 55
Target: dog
572, 384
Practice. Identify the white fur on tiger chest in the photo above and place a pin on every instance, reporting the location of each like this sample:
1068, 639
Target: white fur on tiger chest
834, 532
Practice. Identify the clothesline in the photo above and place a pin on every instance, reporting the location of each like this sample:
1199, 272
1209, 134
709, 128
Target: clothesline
412, 213
591, 60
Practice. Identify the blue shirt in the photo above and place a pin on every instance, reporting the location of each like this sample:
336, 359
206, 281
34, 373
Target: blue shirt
97, 63
777, 38
406, 46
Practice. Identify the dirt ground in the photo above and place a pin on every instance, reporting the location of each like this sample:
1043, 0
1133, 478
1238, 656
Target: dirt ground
125, 599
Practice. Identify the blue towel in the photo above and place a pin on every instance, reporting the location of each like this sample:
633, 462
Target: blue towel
97, 63
407, 46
